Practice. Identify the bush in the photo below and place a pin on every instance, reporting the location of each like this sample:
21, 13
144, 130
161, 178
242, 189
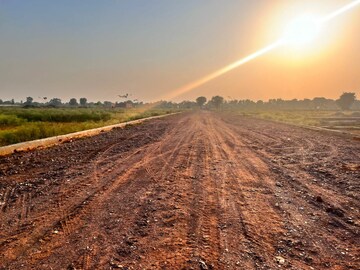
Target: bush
34, 131
26, 133
62, 116
10, 121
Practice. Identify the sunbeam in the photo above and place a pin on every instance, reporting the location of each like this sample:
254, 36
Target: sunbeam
339, 11
288, 38
222, 71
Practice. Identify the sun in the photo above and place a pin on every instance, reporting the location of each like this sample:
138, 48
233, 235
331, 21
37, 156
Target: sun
302, 30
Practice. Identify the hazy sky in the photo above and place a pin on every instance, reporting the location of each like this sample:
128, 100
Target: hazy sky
99, 49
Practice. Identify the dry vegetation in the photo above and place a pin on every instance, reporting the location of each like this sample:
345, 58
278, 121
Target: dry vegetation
345, 121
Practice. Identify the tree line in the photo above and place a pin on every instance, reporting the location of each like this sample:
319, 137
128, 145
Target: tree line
73, 102
346, 101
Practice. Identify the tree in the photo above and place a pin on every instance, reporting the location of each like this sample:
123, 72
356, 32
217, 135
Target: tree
346, 100
217, 101
260, 102
29, 101
83, 101
108, 104
319, 103
73, 102
187, 104
201, 101
55, 102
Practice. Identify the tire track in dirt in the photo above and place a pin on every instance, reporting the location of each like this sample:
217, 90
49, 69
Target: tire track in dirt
314, 203
147, 152
239, 184
200, 191
69, 212
69, 221
295, 167
150, 156
203, 234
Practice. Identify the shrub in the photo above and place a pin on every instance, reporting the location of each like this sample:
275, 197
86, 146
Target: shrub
10, 121
62, 116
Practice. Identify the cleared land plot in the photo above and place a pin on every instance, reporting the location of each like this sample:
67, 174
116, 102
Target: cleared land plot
342, 121
190, 191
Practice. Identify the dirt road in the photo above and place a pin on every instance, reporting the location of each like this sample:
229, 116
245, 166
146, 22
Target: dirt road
191, 191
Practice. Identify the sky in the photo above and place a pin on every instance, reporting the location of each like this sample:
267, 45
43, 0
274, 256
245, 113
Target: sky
150, 48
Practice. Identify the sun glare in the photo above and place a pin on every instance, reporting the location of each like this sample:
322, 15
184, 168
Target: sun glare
302, 30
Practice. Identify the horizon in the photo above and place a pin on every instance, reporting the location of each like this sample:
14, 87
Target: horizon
208, 99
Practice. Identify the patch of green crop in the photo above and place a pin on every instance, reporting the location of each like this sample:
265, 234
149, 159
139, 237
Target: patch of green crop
10, 121
26, 124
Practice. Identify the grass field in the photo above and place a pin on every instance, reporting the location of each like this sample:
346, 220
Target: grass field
21, 124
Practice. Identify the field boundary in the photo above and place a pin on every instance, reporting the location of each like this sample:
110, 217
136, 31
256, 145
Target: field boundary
55, 140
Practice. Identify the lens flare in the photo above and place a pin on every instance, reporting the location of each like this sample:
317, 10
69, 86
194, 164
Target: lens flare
339, 11
302, 30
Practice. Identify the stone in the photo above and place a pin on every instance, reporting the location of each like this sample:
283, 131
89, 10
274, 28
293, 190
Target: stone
279, 260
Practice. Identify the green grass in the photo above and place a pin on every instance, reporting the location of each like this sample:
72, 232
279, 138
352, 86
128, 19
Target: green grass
20, 124
57, 115
10, 121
